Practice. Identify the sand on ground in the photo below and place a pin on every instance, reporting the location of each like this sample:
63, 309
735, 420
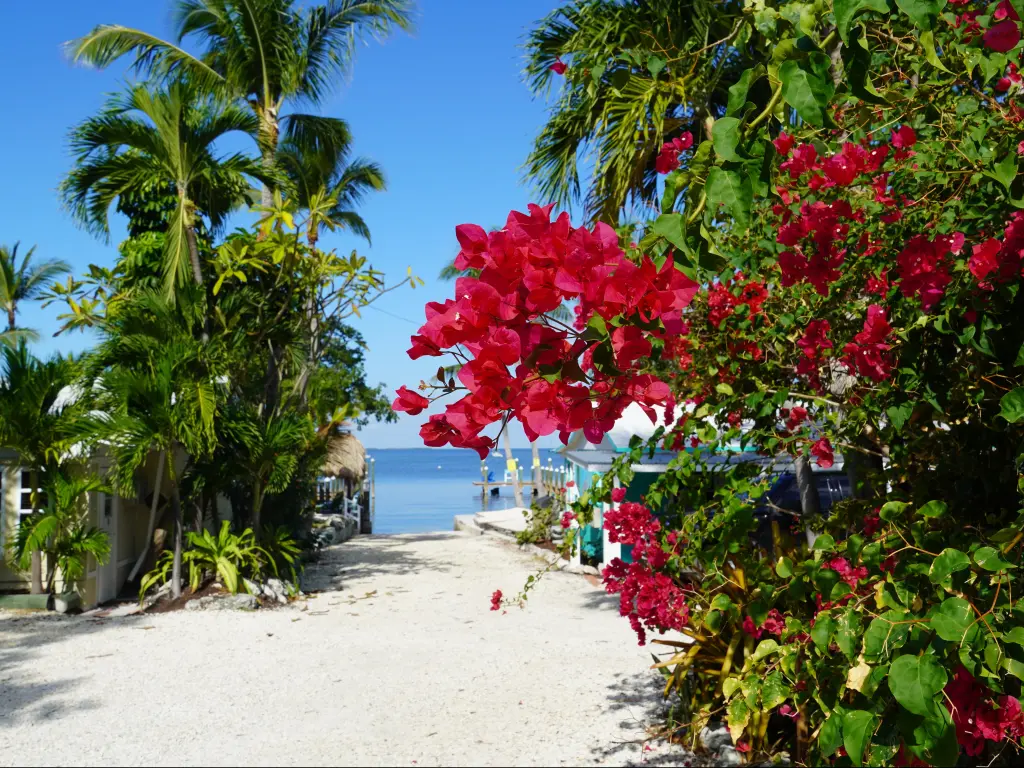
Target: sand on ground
398, 662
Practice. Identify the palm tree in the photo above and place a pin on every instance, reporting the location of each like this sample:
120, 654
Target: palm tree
326, 183
61, 532
146, 135
23, 282
637, 75
262, 51
157, 393
267, 452
37, 418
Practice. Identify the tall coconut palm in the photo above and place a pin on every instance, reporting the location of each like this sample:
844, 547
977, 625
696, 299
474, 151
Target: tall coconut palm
24, 281
262, 51
328, 184
145, 135
637, 74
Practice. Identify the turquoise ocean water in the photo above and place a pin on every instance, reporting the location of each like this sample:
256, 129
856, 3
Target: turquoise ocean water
422, 489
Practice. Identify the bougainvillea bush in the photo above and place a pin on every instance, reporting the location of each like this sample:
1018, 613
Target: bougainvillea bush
834, 277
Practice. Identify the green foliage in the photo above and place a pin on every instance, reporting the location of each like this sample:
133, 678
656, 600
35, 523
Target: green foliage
60, 530
538, 524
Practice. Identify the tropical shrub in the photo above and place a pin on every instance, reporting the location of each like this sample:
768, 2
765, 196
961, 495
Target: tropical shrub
60, 530
228, 557
834, 276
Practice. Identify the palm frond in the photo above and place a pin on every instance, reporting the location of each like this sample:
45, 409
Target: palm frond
109, 42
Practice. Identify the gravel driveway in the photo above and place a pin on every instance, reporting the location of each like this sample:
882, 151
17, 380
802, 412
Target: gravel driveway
399, 662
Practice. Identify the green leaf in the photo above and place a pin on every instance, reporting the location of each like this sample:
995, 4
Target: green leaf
725, 135
848, 633
922, 12
947, 563
845, 10
885, 635
807, 91
892, 510
933, 509
774, 691
857, 63
915, 681
655, 64
990, 559
898, 415
821, 632
1014, 667
1015, 636
1012, 405
765, 648
784, 568
671, 226
953, 619
738, 91
824, 543
858, 725
739, 715
931, 738
731, 190
928, 43
723, 389
830, 737
1005, 171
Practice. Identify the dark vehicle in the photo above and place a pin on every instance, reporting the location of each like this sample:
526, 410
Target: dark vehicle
782, 501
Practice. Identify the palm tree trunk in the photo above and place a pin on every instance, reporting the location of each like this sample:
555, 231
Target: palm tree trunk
193, 253
517, 492
178, 542
152, 517
269, 131
11, 318
810, 502
258, 490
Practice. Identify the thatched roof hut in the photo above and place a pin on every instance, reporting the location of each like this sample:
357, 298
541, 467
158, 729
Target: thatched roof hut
346, 458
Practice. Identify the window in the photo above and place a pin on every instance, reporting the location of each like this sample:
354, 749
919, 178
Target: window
25, 507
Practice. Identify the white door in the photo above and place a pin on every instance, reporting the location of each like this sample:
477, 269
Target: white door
106, 575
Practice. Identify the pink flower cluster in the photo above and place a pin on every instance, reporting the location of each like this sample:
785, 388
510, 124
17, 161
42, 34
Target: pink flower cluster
977, 717
995, 262
668, 158
847, 572
868, 353
497, 328
650, 600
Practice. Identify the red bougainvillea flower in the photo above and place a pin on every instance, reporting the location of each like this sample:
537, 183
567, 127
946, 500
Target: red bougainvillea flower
1002, 36
821, 450
668, 158
784, 143
868, 353
751, 629
618, 495
797, 415
787, 711
815, 339
847, 572
409, 401
630, 523
923, 269
742, 746
559, 67
1011, 78
568, 518
774, 624
496, 600
872, 523
904, 137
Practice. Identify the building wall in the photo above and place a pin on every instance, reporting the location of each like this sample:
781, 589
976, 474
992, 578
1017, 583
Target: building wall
10, 497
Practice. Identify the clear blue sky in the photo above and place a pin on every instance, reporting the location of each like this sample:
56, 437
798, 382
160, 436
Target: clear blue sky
445, 110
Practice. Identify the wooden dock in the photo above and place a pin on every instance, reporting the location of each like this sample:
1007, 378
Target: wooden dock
551, 480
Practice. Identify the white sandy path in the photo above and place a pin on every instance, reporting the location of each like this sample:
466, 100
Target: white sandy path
422, 673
